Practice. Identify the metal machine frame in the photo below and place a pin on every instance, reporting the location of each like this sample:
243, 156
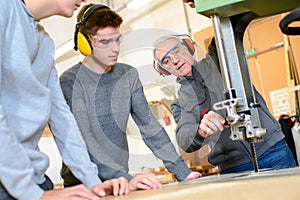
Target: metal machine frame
230, 19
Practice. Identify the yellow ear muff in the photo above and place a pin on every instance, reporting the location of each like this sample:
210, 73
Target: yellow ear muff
81, 41
83, 44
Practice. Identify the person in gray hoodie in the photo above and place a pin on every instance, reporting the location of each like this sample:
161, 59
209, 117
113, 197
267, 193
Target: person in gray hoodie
201, 86
31, 98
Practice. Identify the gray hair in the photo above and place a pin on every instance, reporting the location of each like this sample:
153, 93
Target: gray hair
162, 39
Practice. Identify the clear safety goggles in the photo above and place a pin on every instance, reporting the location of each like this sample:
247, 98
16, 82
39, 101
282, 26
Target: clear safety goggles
103, 43
167, 60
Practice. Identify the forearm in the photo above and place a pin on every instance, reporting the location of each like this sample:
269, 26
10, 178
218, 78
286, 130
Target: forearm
188, 138
187, 127
163, 148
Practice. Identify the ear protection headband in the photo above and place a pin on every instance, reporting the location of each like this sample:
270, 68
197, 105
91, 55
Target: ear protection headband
188, 43
81, 41
185, 40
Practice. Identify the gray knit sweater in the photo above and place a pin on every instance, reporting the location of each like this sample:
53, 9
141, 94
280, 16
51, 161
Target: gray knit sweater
102, 104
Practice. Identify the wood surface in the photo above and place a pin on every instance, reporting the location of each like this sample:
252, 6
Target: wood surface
267, 185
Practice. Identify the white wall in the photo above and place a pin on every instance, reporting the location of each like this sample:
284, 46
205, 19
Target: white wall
48, 146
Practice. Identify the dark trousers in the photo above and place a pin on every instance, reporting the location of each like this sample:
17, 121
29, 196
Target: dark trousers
46, 185
279, 156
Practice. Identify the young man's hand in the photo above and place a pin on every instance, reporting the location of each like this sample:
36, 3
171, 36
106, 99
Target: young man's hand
144, 181
78, 192
116, 187
193, 175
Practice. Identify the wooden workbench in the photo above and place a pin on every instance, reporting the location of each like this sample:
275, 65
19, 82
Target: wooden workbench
264, 185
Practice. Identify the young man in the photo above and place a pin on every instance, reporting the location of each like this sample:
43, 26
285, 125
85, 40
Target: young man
201, 87
31, 98
103, 93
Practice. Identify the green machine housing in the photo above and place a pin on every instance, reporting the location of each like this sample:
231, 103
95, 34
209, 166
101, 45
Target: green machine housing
226, 8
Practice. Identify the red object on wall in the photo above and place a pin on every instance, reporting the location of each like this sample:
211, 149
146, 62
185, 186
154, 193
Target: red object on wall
167, 120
